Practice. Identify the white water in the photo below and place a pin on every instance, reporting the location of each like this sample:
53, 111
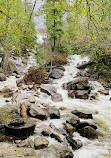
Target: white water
100, 108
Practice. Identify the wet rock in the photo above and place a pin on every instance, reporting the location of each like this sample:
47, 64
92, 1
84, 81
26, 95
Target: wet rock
56, 74
37, 112
32, 99
82, 114
56, 97
71, 93
62, 150
57, 137
75, 144
74, 121
20, 81
83, 74
60, 131
82, 94
48, 89
88, 132
92, 97
63, 108
5, 90
102, 91
53, 112
69, 128
59, 67
84, 65
25, 143
2, 77
84, 124
40, 143
45, 130
81, 82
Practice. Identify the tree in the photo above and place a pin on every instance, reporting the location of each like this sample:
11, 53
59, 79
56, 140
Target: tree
16, 32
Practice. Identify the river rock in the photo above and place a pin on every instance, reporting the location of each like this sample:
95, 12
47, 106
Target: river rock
53, 112
82, 114
37, 112
40, 143
56, 74
74, 121
82, 94
84, 124
75, 144
45, 130
88, 132
2, 77
69, 128
62, 150
6, 90
48, 89
103, 91
59, 67
57, 97
71, 93
57, 137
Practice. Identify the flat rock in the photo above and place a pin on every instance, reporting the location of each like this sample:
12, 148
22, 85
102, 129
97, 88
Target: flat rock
88, 132
48, 89
82, 94
40, 143
56, 97
56, 74
82, 114
103, 91
74, 121
37, 112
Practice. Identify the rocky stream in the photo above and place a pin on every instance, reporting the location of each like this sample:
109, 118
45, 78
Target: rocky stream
69, 114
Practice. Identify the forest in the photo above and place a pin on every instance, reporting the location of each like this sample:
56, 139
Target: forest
55, 78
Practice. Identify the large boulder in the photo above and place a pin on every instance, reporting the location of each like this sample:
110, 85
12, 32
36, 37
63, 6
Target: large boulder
37, 112
2, 77
88, 132
84, 124
48, 89
63, 151
56, 74
40, 143
82, 114
56, 97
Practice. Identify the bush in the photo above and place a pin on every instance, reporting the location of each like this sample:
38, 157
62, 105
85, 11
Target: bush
35, 75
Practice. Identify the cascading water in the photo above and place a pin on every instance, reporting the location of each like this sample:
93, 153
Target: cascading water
100, 108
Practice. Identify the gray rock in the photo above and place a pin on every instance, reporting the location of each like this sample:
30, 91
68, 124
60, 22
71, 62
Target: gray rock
37, 112
53, 112
74, 121
2, 77
69, 128
75, 144
84, 124
56, 97
56, 74
82, 94
103, 91
48, 89
40, 143
71, 93
62, 150
88, 132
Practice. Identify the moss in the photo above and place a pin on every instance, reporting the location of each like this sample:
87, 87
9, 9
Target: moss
12, 64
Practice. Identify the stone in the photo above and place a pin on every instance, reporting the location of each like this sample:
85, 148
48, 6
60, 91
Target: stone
5, 90
37, 112
32, 99
59, 67
45, 130
74, 121
82, 114
25, 143
63, 108
75, 144
56, 74
82, 94
2, 77
88, 132
53, 112
69, 128
56, 97
71, 93
48, 89
20, 81
40, 143
62, 150
84, 124
57, 137
103, 91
